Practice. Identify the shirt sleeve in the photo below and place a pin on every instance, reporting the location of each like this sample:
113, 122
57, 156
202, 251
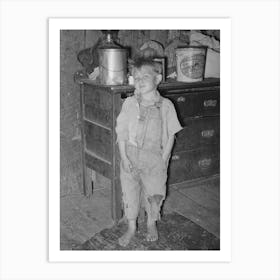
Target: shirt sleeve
173, 124
122, 122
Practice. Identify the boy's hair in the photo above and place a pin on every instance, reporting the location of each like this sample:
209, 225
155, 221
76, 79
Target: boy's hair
143, 61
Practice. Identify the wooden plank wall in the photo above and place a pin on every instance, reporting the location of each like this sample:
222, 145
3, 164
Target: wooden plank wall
71, 42
130, 38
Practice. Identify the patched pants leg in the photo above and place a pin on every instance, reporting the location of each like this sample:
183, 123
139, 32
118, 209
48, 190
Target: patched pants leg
131, 193
154, 178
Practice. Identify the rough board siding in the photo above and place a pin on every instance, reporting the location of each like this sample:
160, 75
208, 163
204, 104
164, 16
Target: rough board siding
71, 42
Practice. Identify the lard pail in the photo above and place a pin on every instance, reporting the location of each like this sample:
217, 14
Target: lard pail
112, 66
190, 63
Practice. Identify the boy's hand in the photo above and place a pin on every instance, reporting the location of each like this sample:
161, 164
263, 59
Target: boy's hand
167, 151
127, 166
165, 159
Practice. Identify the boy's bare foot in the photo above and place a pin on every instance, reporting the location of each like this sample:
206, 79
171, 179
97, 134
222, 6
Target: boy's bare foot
125, 239
152, 233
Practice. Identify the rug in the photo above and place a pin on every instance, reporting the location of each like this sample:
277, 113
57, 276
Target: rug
176, 232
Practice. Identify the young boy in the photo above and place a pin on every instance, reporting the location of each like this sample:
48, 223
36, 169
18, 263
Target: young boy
145, 128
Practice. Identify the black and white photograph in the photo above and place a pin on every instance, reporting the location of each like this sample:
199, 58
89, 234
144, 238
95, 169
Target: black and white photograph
140, 139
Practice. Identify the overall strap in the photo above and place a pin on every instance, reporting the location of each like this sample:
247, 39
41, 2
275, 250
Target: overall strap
158, 104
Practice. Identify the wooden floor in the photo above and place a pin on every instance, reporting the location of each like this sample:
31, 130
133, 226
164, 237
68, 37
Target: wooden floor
199, 202
82, 217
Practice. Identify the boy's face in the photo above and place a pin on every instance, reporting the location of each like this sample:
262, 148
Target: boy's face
146, 79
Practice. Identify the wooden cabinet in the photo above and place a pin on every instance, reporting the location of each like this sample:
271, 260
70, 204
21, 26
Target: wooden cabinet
196, 153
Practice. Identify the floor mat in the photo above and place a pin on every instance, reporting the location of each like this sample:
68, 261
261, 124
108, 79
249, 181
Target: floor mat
175, 233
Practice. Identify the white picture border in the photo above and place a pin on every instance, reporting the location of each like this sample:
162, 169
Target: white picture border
57, 24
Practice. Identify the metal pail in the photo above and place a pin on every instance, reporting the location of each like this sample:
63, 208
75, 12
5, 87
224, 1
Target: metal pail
190, 62
113, 66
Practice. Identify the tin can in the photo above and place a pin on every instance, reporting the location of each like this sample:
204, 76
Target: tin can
190, 63
112, 66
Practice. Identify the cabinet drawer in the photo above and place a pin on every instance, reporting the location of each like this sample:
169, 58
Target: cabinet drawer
194, 164
197, 133
196, 104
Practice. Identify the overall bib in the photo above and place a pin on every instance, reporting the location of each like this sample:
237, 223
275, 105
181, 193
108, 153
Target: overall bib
147, 180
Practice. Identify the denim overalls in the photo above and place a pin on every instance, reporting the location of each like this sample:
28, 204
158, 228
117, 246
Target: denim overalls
147, 180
